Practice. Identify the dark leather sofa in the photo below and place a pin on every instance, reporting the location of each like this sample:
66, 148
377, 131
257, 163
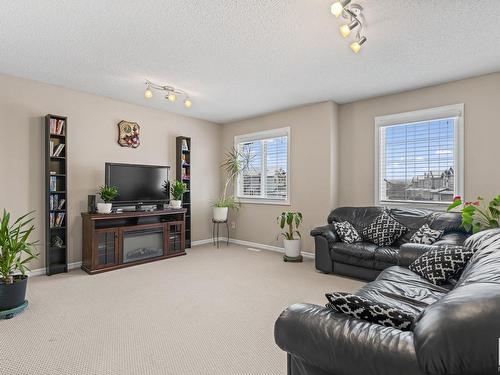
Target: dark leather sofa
457, 330
365, 260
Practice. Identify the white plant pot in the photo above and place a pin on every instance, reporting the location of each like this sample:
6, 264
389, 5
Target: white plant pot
220, 213
104, 208
176, 204
292, 248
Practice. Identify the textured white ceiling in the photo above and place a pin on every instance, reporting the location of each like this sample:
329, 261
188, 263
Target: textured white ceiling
242, 58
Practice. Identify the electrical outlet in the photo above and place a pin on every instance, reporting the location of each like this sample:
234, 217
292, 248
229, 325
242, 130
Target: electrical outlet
233, 225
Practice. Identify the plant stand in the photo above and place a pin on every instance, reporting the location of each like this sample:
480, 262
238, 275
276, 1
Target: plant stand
9, 314
293, 259
215, 231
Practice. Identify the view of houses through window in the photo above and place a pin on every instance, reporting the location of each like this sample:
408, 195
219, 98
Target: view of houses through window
417, 161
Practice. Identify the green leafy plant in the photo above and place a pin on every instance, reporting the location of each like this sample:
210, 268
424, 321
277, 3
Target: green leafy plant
108, 193
229, 202
290, 219
177, 190
477, 215
15, 248
234, 163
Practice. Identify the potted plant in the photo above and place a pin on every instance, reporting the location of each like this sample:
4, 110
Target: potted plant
177, 191
292, 244
15, 252
107, 194
476, 215
234, 163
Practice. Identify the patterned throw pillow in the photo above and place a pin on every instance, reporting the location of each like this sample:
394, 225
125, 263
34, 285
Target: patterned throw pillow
373, 312
441, 264
383, 230
346, 232
425, 235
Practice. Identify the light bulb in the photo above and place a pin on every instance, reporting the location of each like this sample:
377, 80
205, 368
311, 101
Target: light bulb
356, 46
345, 29
172, 97
338, 7
188, 103
148, 94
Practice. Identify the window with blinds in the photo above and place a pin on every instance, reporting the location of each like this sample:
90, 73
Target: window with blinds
419, 161
267, 177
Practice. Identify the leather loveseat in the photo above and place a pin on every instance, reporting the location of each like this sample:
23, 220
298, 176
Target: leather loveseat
456, 331
365, 260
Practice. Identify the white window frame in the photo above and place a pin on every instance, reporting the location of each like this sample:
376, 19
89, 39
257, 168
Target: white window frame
454, 110
274, 133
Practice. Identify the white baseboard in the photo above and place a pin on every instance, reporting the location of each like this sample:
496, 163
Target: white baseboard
42, 271
278, 249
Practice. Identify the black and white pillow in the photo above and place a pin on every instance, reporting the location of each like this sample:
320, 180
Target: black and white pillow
383, 230
442, 263
373, 312
425, 235
346, 232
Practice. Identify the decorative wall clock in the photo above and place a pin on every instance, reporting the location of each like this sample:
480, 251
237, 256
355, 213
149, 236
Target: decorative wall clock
128, 134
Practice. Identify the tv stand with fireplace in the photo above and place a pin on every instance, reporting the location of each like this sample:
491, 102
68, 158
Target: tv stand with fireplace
117, 240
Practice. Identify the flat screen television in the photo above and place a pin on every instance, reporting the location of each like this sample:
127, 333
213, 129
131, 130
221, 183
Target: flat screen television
138, 184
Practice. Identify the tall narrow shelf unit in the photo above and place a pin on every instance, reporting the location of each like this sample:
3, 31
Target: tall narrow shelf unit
56, 194
183, 173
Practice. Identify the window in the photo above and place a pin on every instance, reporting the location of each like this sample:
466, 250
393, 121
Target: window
419, 156
267, 178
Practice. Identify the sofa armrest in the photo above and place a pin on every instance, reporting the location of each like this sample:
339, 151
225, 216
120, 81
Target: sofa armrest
340, 344
409, 252
325, 231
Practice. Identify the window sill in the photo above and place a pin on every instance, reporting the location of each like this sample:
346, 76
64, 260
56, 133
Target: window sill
264, 201
434, 206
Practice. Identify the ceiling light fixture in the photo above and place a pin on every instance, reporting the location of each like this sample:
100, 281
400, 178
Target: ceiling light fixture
171, 95
338, 7
354, 14
345, 30
356, 46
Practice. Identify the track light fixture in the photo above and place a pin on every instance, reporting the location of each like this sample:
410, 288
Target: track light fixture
354, 14
356, 46
338, 7
171, 93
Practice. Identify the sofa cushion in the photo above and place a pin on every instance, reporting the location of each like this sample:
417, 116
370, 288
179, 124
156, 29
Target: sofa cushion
442, 263
346, 232
387, 254
400, 287
383, 230
426, 236
413, 219
371, 311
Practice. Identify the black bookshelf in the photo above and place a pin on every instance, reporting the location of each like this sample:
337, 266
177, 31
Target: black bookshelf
183, 173
56, 194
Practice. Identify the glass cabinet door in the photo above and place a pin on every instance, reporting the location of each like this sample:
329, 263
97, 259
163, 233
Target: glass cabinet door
106, 248
175, 237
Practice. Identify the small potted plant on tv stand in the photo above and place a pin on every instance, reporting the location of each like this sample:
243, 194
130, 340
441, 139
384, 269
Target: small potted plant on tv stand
15, 252
292, 244
107, 194
177, 191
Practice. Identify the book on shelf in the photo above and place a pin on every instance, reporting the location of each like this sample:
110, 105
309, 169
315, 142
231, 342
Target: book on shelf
61, 204
54, 202
52, 219
59, 219
58, 150
53, 183
56, 126
51, 151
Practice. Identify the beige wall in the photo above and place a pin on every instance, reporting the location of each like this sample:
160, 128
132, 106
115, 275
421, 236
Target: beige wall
481, 96
92, 122
313, 172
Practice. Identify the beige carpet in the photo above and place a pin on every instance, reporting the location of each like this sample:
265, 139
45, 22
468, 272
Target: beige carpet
210, 312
